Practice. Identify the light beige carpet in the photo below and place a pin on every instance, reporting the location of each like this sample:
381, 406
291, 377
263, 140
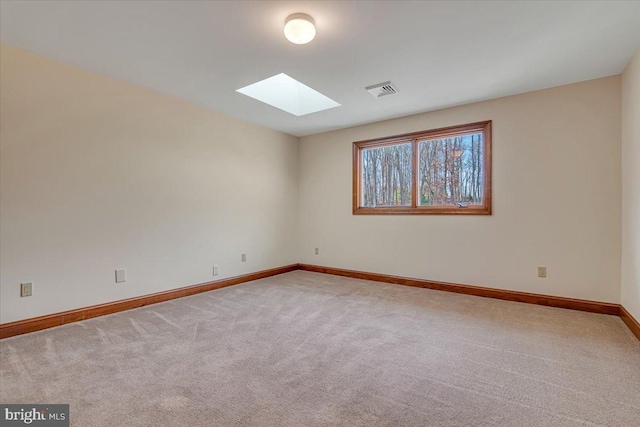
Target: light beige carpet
307, 349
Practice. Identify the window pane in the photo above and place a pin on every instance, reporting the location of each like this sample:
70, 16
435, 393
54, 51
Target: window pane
450, 171
386, 176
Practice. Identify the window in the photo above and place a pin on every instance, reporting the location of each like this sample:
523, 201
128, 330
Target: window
440, 171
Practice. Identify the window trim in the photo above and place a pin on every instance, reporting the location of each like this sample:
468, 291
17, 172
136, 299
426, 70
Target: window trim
483, 127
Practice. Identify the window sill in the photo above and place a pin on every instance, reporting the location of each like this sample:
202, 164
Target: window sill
443, 210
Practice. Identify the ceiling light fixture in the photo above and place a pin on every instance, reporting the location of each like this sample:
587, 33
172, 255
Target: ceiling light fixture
299, 28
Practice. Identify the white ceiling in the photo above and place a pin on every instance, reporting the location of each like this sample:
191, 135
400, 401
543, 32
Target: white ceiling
439, 54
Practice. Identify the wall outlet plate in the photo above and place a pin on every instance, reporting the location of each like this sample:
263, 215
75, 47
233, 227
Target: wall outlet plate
121, 276
244, 257
317, 251
26, 289
542, 271
215, 270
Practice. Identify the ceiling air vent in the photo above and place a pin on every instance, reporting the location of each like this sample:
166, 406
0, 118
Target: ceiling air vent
382, 89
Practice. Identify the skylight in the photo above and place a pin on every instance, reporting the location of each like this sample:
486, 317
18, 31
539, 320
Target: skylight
288, 94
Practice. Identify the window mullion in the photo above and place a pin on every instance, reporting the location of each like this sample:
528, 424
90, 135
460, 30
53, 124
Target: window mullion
414, 173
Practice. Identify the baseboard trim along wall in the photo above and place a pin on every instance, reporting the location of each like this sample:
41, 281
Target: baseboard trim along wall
38, 323
525, 297
561, 302
57, 319
630, 321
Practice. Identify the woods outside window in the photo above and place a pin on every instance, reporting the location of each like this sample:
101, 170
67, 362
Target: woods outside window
439, 171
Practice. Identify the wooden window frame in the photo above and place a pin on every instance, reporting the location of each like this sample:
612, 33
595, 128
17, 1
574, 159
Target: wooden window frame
414, 138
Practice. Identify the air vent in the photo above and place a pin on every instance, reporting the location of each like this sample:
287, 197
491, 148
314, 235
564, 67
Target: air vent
382, 89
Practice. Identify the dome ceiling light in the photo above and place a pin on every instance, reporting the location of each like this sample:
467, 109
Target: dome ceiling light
299, 28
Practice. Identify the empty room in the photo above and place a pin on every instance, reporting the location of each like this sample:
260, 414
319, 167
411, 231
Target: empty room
319, 213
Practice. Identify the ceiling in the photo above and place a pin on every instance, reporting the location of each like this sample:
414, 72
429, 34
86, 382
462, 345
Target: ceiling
438, 54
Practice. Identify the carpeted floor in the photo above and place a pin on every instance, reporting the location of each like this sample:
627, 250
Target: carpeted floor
307, 349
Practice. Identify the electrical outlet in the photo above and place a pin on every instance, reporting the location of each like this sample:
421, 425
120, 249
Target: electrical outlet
317, 251
215, 270
26, 289
542, 271
121, 276
244, 257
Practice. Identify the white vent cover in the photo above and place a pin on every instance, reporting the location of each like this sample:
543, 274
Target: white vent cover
382, 89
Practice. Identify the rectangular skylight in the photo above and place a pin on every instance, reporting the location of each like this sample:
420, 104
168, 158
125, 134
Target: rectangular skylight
288, 94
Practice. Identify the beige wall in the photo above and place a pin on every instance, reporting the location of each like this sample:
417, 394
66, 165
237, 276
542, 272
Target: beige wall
630, 297
97, 174
557, 199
